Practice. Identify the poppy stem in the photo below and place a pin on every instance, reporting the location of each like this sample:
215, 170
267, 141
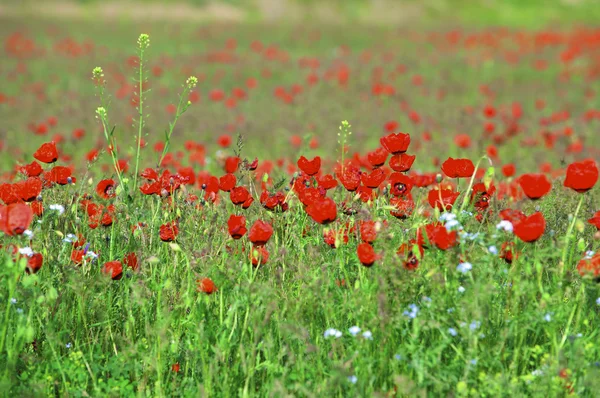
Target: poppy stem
568, 237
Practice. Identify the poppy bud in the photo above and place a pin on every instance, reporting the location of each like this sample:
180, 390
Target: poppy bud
438, 178
265, 177
203, 186
69, 180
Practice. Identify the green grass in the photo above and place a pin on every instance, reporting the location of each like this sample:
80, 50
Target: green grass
499, 330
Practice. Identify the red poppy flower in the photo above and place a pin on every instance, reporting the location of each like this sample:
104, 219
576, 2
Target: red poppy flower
391, 126
530, 228
512, 215
237, 226
227, 182
327, 181
131, 261
151, 188
188, 174
350, 178
206, 285
406, 250
535, 185
400, 184
322, 210
395, 143
273, 202
106, 189
334, 238
582, 176
481, 195
403, 206
590, 267
378, 157
239, 195
175, 367
9, 193
37, 208
47, 153
259, 255
60, 175
34, 263
368, 231
595, 220
443, 200
374, 179
458, 168
489, 111
440, 237
366, 254
29, 189
32, 170
231, 164
15, 218
77, 256
114, 269
168, 232
149, 174
260, 233
310, 167
402, 162
462, 140
507, 252
509, 170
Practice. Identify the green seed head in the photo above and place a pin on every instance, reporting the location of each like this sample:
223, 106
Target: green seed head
143, 41
97, 73
191, 82
101, 112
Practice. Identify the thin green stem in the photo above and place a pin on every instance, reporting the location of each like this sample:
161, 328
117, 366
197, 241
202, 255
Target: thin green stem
141, 119
568, 237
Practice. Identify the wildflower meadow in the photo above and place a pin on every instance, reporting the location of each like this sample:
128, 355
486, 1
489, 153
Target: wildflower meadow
295, 209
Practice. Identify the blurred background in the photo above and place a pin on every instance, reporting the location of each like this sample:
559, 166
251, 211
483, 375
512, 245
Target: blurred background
523, 13
279, 69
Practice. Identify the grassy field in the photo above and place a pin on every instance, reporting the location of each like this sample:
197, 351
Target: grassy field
251, 223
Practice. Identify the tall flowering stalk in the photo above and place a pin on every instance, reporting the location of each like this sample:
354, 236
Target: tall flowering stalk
143, 44
102, 116
189, 85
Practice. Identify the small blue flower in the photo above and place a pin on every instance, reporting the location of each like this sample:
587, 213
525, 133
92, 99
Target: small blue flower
14, 300
368, 335
464, 267
474, 325
505, 225
598, 301
352, 379
398, 357
414, 311
444, 217
461, 289
332, 333
452, 224
493, 250
548, 317
452, 331
68, 345
473, 361
354, 330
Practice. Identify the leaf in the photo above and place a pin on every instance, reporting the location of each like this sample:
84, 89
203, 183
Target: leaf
488, 177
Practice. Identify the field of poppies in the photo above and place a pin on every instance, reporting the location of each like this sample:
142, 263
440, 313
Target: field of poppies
280, 210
